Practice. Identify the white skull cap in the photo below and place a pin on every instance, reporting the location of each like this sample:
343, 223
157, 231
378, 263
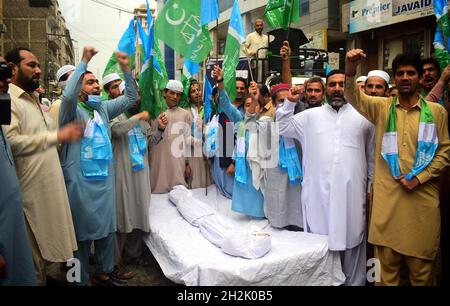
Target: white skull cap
361, 79
63, 71
381, 74
176, 86
110, 78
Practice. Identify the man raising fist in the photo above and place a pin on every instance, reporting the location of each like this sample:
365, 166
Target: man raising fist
88, 165
337, 145
405, 218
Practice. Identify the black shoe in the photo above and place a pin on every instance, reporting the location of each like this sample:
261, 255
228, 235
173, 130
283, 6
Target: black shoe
294, 228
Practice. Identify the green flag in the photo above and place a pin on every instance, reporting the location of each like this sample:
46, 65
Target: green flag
235, 39
178, 25
152, 81
279, 13
441, 38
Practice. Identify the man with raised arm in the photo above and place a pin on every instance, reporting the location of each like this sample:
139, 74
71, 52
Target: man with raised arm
412, 151
88, 165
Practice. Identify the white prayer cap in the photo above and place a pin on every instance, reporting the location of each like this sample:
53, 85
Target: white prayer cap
110, 78
175, 86
381, 74
361, 79
63, 71
122, 87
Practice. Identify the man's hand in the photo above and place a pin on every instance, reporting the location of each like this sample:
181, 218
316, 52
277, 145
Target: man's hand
123, 61
231, 170
2, 267
163, 121
254, 91
218, 76
295, 94
352, 60
70, 133
256, 96
445, 76
409, 185
88, 53
217, 73
286, 51
143, 116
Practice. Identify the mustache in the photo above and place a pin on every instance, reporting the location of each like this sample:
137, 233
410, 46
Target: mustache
337, 95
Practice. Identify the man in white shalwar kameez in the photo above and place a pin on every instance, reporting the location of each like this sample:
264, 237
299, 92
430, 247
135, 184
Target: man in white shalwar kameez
337, 144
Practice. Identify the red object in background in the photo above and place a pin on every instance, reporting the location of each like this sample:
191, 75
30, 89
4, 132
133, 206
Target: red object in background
40, 90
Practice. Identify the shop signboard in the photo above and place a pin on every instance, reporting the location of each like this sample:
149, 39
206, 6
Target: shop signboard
370, 14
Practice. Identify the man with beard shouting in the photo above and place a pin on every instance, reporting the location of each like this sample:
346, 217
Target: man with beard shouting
337, 143
431, 75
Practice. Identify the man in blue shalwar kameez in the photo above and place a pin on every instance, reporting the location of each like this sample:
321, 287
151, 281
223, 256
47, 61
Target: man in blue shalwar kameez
222, 165
92, 198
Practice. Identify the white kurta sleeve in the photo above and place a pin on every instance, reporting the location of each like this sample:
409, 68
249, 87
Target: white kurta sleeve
370, 155
246, 46
290, 126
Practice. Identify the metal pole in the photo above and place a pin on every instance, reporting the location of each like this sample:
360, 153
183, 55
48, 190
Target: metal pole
217, 43
251, 69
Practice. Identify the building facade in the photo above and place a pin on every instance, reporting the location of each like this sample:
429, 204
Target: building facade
319, 20
43, 30
386, 28
2, 30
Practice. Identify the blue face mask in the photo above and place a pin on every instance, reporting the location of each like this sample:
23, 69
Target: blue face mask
94, 102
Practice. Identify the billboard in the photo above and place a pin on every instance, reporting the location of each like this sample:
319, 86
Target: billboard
370, 14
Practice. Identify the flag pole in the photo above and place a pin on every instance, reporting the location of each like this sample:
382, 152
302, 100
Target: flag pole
250, 68
205, 161
290, 21
217, 43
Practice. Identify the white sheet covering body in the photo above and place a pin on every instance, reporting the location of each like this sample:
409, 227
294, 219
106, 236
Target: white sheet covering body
187, 257
219, 230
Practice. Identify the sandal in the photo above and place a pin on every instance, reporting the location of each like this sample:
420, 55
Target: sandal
122, 274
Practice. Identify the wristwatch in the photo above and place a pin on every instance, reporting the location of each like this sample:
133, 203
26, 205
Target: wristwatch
161, 130
220, 81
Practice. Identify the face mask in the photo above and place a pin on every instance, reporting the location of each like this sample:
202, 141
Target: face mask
5, 109
63, 84
94, 102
